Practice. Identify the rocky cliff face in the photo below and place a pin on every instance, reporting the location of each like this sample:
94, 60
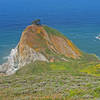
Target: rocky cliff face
39, 43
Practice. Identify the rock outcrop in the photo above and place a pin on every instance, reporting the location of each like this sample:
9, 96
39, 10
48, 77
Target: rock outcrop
40, 43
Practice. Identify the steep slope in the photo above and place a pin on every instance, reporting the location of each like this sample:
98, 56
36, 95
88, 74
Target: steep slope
52, 81
40, 43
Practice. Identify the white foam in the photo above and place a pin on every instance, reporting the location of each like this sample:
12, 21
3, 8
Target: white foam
9, 67
5, 58
12, 57
98, 37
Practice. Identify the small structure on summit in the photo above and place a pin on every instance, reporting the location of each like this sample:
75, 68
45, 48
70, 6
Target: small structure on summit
36, 22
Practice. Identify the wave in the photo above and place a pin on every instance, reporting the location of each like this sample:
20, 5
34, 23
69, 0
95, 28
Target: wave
5, 58
11, 65
98, 37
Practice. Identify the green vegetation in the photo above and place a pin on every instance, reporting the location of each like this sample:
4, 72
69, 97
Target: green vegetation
92, 70
52, 31
52, 81
36, 22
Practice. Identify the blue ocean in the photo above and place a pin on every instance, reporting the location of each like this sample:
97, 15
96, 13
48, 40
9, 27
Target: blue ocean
79, 20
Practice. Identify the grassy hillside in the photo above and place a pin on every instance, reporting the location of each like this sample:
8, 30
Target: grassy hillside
69, 75
52, 81
50, 30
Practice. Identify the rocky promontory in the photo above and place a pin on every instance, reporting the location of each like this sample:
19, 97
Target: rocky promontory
39, 43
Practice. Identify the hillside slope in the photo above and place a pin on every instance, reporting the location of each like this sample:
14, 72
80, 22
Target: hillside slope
52, 81
42, 43
50, 67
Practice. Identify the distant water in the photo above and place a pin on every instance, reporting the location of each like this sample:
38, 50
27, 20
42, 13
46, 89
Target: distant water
79, 20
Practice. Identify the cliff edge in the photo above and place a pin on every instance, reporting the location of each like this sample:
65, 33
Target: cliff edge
40, 43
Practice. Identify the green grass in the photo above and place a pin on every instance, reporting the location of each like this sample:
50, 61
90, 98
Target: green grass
92, 70
52, 31
52, 81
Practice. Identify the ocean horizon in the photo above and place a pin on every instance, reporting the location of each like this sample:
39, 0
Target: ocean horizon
79, 21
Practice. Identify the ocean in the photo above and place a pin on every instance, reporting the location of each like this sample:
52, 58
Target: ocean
79, 20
